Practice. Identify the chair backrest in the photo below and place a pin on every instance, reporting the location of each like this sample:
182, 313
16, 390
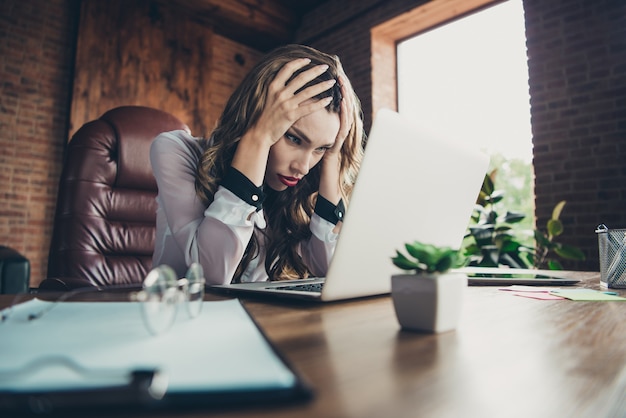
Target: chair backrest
105, 221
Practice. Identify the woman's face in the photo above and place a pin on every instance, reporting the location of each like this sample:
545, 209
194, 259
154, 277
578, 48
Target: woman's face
301, 148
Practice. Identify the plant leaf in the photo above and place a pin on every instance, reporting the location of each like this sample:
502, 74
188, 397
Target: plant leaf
487, 186
447, 259
424, 253
541, 239
444, 264
472, 249
404, 263
554, 265
569, 252
556, 212
491, 255
555, 227
481, 200
512, 260
496, 196
510, 246
513, 217
528, 258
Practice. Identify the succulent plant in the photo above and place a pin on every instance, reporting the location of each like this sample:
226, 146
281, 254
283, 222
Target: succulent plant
427, 258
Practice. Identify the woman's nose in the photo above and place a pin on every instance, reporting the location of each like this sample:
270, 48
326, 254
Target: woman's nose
302, 164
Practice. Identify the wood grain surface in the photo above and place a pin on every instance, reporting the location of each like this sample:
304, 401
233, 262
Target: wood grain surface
510, 357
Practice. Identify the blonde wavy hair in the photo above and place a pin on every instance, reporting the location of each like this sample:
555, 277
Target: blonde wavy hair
288, 212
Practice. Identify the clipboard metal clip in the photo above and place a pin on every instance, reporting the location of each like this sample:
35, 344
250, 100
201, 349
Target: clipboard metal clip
31, 388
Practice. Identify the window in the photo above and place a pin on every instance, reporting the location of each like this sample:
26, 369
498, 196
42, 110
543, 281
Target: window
462, 67
469, 78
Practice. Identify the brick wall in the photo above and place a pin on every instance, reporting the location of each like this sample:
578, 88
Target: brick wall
36, 60
577, 66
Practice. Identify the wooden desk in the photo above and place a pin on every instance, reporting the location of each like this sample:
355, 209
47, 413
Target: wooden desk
510, 356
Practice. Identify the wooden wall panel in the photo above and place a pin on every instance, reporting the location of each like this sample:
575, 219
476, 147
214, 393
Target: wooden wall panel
231, 61
262, 24
141, 52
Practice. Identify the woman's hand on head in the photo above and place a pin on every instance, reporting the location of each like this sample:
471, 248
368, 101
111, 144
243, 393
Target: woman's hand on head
346, 118
330, 180
283, 106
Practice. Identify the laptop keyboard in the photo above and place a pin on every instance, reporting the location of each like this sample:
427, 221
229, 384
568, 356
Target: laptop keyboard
305, 287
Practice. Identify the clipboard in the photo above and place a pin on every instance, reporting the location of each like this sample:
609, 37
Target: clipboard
221, 359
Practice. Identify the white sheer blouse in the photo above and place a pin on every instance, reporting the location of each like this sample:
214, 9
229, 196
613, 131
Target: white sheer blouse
215, 236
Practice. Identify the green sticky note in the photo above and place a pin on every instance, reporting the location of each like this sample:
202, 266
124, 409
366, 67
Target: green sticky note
586, 295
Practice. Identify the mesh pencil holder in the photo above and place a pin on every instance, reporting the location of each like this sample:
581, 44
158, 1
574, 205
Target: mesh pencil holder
612, 247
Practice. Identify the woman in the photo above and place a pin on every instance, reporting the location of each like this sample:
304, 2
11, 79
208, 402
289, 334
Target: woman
263, 197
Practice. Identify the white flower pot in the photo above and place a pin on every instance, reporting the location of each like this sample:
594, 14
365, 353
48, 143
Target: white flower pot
428, 302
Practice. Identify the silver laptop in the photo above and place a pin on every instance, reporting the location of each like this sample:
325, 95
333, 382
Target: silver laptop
412, 185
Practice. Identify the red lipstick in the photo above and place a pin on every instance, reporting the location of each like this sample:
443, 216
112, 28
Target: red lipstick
288, 181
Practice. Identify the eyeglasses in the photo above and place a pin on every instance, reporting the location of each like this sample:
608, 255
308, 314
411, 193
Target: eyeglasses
161, 295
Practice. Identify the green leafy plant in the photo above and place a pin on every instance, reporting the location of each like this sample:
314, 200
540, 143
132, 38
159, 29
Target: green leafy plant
491, 240
427, 258
546, 246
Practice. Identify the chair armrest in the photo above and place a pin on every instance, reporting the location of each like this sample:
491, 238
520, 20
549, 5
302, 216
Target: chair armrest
14, 271
64, 284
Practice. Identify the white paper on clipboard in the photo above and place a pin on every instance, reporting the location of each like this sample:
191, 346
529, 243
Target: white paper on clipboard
221, 350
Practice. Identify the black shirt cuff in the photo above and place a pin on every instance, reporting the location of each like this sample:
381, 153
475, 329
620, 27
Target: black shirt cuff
243, 188
328, 211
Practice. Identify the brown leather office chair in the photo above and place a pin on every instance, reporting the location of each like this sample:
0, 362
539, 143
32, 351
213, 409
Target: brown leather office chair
105, 221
